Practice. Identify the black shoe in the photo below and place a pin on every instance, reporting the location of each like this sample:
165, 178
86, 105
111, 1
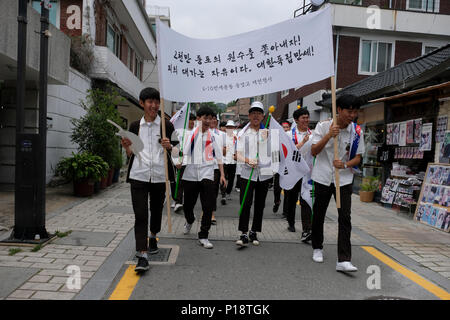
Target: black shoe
223, 201
142, 265
253, 238
153, 246
284, 215
275, 207
306, 236
243, 240
291, 228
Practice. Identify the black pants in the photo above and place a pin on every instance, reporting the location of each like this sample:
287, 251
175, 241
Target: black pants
293, 195
277, 193
216, 187
140, 196
179, 198
230, 171
259, 189
191, 191
322, 199
238, 181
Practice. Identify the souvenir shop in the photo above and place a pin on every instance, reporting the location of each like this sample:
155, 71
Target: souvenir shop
415, 128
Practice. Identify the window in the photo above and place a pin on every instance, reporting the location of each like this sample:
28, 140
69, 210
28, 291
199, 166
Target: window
428, 49
138, 68
423, 5
113, 40
375, 56
53, 12
284, 93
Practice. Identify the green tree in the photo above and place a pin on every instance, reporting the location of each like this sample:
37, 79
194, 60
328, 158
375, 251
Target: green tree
92, 132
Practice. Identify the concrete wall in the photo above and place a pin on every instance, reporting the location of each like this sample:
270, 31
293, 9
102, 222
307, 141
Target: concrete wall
64, 105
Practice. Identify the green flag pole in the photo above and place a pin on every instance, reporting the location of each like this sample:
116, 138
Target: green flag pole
251, 172
181, 150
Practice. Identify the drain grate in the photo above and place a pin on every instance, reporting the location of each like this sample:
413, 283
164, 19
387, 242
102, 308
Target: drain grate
162, 256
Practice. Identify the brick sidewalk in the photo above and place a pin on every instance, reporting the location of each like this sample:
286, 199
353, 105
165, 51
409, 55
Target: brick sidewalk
109, 217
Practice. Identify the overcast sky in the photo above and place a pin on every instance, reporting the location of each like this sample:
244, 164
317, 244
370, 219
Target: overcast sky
209, 19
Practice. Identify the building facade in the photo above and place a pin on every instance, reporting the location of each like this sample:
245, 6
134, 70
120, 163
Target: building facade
371, 36
93, 43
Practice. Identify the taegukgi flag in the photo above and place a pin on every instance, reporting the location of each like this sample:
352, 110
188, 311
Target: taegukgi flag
293, 166
180, 119
289, 54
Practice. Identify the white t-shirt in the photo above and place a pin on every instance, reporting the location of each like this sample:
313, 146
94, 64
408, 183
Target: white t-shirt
323, 170
150, 168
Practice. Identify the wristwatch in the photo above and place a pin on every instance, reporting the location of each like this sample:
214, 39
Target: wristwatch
345, 166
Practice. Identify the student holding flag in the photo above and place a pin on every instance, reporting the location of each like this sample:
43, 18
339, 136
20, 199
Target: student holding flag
178, 157
252, 147
350, 148
198, 177
300, 135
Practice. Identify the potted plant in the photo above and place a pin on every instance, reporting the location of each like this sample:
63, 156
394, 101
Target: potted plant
93, 133
84, 169
368, 188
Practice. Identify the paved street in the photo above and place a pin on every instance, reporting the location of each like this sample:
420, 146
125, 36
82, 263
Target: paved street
411, 259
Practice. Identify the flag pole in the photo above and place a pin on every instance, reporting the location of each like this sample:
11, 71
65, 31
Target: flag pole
181, 149
271, 109
166, 167
336, 154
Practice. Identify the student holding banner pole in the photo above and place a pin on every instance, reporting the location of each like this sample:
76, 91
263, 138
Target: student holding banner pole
350, 145
256, 172
146, 175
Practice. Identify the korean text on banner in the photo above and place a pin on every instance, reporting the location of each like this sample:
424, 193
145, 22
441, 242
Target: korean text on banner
286, 55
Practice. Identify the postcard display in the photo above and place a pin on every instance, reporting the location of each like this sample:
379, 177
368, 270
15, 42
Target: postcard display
434, 200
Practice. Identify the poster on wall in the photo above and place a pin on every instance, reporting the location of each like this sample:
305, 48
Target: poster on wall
444, 152
395, 133
389, 134
402, 139
417, 130
425, 139
410, 131
441, 128
434, 201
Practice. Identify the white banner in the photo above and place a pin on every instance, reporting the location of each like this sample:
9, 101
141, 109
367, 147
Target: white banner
286, 55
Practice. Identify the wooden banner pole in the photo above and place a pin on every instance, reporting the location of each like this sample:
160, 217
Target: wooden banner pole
336, 152
166, 166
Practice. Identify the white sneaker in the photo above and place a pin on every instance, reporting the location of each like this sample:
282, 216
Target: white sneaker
172, 205
238, 190
345, 266
187, 228
178, 206
205, 243
318, 255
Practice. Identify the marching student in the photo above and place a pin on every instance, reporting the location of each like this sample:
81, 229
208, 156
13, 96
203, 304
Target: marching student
229, 162
350, 147
147, 177
300, 135
220, 139
176, 159
198, 177
252, 142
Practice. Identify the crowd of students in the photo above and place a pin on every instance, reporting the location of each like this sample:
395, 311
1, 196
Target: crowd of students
208, 158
